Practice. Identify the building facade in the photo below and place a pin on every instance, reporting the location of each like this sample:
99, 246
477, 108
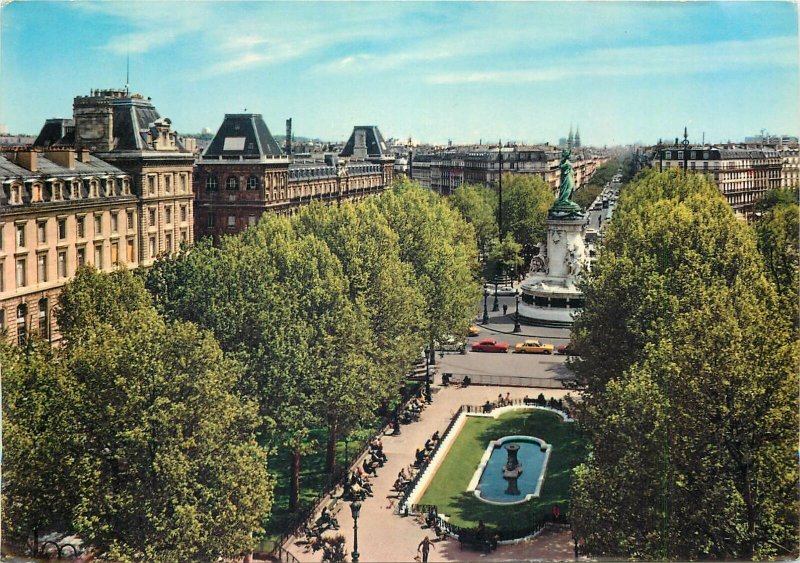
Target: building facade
126, 130
743, 174
243, 174
444, 171
59, 209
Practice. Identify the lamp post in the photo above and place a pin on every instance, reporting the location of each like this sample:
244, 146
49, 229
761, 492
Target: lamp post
496, 304
517, 328
355, 507
427, 379
485, 308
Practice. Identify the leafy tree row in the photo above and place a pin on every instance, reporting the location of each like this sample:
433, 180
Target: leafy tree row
689, 369
131, 434
327, 310
526, 201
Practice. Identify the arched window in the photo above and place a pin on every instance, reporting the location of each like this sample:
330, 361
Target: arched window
211, 184
252, 183
232, 183
22, 324
43, 319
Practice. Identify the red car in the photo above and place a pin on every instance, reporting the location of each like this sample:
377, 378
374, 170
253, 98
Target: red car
567, 349
489, 345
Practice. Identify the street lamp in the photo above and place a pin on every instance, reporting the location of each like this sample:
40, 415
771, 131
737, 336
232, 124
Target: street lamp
517, 328
685, 144
427, 379
496, 304
485, 308
355, 507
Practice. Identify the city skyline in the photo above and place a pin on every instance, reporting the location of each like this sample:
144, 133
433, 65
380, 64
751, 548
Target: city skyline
622, 71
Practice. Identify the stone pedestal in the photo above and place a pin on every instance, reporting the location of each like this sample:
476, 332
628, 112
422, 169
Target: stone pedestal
549, 293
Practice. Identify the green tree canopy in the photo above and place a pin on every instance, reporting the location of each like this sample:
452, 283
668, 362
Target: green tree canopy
526, 201
39, 441
478, 205
167, 466
691, 392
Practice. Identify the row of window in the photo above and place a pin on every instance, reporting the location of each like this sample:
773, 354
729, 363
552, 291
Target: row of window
80, 228
211, 220
232, 183
151, 215
22, 321
183, 182
78, 189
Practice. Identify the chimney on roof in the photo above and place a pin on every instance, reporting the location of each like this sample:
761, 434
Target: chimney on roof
83, 154
64, 158
28, 159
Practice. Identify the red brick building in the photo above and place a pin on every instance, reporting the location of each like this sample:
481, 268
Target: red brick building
243, 173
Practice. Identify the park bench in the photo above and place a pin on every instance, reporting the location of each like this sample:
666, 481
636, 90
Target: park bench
472, 540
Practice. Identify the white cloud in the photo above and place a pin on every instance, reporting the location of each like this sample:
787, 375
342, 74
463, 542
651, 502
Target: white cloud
650, 60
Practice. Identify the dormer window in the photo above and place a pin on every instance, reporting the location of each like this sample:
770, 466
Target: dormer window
109, 187
36, 193
76, 190
16, 194
58, 191
93, 188
126, 186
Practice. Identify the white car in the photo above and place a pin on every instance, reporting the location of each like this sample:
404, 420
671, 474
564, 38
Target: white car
502, 290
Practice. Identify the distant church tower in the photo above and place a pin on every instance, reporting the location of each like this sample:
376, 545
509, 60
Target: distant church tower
570, 139
578, 137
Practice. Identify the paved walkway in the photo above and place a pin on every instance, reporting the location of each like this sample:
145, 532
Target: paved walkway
383, 536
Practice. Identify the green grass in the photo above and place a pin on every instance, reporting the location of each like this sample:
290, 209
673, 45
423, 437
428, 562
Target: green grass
448, 489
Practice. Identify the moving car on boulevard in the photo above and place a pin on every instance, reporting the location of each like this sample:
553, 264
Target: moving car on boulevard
533, 347
567, 349
489, 345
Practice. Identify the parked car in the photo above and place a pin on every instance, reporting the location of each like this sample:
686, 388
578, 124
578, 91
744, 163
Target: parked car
567, 349
450, 344
489, 345
474, 330
533, 347
502, 290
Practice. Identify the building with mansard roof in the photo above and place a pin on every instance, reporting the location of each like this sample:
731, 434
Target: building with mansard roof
243, 173
59, 209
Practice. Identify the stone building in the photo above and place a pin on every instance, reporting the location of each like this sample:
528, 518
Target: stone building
743, 174
444, 171
790, 166
243, 174
126, 130
59, 209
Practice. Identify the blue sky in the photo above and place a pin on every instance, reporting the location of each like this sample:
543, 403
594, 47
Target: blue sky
524, 71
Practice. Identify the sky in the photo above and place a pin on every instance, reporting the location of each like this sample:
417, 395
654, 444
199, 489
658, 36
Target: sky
622, 72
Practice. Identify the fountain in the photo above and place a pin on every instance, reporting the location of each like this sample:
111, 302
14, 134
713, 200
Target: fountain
500, 479
512, 469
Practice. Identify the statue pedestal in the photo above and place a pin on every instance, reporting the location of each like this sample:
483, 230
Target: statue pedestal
549, 293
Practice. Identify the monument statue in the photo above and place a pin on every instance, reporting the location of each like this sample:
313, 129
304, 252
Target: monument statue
564, 207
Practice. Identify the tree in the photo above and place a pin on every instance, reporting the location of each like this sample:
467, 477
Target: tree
440, 247
168, 467
381, 287
38, 442
690, 401
478, 206
506, 253
777, 230
526, 201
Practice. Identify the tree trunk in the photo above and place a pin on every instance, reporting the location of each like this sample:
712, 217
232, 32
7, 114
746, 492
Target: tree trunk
294, 486
330, 456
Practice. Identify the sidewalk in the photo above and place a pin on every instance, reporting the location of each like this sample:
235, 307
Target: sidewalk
383, 536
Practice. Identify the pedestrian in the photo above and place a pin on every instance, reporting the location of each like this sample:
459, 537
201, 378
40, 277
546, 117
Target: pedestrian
508, 398
425, 545
505, 309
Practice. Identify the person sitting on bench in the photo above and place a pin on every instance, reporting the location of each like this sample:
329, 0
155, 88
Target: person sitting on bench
369, 467
326, 520
466, 381
419, 457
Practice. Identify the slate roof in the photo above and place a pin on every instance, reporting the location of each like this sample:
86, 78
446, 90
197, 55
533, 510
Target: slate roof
56, 132
243, 135
49, 169
376, 146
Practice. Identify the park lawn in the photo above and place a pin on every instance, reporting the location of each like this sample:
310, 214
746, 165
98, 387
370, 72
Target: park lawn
448, 489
